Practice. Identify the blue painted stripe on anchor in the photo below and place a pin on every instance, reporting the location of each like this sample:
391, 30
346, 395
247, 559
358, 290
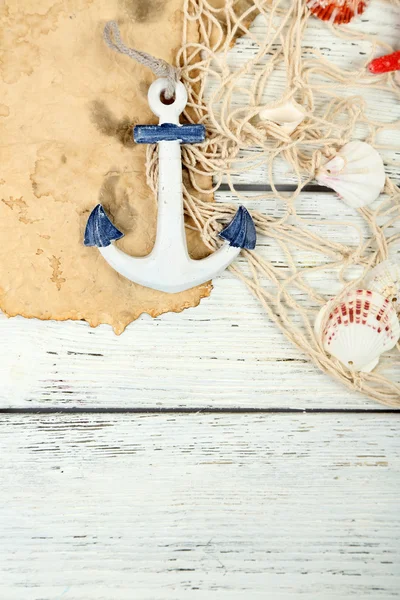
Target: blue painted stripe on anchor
169, 132
241, 231
99, 230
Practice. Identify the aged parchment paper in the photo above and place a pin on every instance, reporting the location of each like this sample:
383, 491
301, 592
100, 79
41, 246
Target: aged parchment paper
67, 107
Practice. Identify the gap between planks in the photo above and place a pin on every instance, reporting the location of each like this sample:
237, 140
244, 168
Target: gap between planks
194, 411
280, 187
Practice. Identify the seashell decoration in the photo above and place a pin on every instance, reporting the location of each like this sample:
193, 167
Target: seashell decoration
356, 173
358, 329
338, 12
287, 115
385, 279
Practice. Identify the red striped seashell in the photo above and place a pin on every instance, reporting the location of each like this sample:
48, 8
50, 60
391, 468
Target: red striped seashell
358, 328
338, 12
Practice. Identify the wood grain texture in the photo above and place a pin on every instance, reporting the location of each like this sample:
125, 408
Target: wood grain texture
173, 507
202, 506
224, 353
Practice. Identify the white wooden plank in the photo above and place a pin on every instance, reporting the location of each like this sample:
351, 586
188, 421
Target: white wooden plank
324, 214
163, 507
223, 353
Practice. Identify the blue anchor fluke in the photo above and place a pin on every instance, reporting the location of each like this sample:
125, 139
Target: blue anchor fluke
169, 132
99, 230
241, 231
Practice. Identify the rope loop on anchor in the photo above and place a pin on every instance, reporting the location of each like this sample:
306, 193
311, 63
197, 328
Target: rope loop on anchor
160, 67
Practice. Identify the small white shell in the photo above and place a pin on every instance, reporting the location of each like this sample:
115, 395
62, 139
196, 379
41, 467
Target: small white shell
288, 115
356, 173
385, 279
358, 329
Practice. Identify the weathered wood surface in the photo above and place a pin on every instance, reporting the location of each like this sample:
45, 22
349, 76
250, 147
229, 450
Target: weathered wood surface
162, 507
223, 353
208, 506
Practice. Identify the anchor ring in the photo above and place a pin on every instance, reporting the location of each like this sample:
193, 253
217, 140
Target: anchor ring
167, 112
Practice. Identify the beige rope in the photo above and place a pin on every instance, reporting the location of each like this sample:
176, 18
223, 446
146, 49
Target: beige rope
286, 295
160, 67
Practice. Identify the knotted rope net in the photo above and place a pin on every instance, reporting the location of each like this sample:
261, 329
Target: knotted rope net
238, 141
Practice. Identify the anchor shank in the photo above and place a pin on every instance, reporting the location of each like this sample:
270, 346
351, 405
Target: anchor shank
171, 237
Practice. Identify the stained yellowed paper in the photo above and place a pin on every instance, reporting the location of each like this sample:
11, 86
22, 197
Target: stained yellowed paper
67, 107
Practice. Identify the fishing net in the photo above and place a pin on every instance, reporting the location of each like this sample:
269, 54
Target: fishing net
228, 98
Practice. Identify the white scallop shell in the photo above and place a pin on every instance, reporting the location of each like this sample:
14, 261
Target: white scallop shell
356, 173
385, 279
288, 115
358, 329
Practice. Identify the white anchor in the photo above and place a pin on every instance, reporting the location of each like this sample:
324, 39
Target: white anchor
169, 268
